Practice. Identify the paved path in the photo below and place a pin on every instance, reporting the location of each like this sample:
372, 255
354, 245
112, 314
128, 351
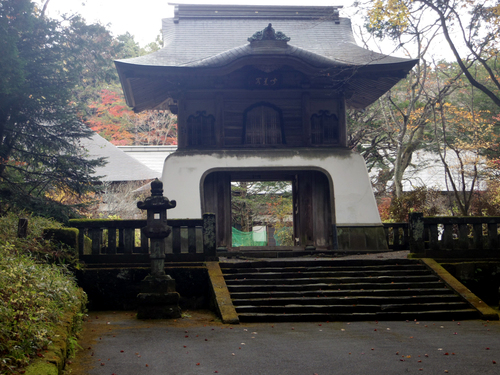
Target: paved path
118, 343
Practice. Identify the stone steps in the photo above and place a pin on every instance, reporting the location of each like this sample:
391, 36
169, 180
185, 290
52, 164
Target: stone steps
387, 289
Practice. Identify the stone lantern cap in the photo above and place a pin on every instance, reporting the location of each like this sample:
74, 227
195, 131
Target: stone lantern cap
156, 200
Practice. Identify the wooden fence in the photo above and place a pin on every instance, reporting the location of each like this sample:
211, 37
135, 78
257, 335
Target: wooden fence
122, 241
461, 233
464, 236
396, 235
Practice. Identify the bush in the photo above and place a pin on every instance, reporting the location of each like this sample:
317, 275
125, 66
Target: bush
35, 292
64, 237
35, 244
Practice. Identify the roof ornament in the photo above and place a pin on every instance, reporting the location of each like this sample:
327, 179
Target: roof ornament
268, 34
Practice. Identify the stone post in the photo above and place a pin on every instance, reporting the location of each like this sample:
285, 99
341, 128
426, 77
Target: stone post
22, 228
158, 298
416, 232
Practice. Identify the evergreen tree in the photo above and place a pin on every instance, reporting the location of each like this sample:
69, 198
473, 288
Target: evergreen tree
40, 126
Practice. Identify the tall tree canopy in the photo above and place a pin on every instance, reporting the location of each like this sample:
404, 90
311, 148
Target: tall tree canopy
448, 107
41, 66
469, 27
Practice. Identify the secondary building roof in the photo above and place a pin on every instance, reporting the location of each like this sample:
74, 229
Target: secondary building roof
151, 156
120, 167
208, 38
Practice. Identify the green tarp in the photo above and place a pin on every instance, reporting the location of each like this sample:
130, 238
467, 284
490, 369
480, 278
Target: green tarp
254, 238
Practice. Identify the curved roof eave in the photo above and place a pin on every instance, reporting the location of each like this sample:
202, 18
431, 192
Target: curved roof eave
351, 54
378, 78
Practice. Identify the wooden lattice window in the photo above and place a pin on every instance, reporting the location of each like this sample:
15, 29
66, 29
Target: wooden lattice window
324, 128
201, 129
263, 125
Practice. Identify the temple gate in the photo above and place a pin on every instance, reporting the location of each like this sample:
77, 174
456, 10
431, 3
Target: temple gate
261, 94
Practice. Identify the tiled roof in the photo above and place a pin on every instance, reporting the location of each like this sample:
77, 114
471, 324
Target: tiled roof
215, 37
151, 156
193, 39
120, 166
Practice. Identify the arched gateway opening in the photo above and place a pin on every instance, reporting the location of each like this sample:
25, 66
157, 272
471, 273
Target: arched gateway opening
312, 203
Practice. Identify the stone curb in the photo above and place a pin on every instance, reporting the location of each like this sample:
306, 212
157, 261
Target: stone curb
485, 311
223, 302
57, 353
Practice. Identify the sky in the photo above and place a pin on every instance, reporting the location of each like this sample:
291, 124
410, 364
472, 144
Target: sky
142, 18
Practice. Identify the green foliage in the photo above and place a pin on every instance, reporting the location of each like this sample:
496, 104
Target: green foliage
35, 244
250, 201
281, 210
63, 236
283, 235
34, 293
414, 201
40, 123
469, 30
264, 203
396, 210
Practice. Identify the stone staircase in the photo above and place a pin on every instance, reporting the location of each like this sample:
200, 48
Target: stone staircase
340, 290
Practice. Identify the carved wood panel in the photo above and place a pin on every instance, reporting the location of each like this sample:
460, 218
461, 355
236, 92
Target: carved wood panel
201, 129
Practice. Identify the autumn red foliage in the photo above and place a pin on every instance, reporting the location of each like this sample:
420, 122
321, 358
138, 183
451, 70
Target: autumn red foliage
111, 118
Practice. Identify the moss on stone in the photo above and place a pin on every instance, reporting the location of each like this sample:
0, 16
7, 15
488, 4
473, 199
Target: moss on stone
67, 236
221, 297
42, 368
58, 352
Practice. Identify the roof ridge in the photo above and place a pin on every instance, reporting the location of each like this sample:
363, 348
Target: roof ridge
187, 11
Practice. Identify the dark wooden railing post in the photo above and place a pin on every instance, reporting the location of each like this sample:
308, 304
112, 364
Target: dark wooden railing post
463, 235
416, 229
95, 235
433, 236
493, 235
22, 228
477, 243
209, 235
111, 240
81, 241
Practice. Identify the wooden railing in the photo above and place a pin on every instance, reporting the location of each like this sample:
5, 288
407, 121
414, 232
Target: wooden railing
449, 235
461, 233
121, 241
396, 235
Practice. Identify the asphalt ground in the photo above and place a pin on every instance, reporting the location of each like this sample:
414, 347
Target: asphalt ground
120, 344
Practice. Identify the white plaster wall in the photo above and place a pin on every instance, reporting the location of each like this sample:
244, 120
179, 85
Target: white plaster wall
354, 200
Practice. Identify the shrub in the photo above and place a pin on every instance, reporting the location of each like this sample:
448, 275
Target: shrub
35, 290
36, 244
32, 298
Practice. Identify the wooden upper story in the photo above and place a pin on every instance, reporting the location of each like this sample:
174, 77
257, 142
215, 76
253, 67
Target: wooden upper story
254, 109
258, 76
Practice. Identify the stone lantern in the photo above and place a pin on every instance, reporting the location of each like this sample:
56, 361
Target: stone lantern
158, 298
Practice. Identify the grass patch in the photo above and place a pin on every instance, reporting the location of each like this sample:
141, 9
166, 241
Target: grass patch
36, 289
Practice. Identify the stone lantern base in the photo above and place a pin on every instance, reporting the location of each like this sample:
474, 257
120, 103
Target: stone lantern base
158, 298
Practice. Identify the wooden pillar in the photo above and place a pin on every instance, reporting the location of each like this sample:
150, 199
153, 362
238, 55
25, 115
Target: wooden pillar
295, 205
321, 214
305, 209
217, 199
